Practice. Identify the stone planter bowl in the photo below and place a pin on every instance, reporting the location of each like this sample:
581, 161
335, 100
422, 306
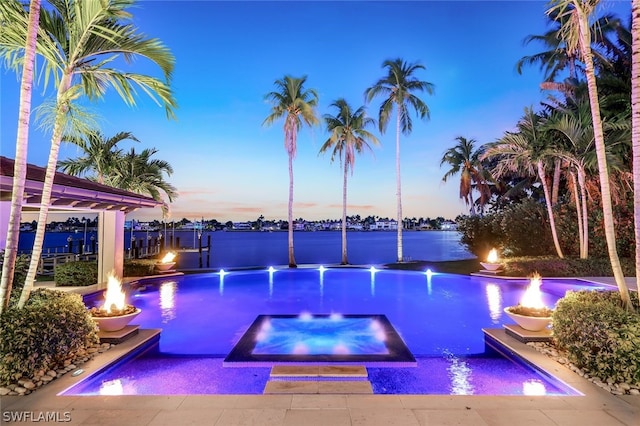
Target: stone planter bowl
529, 323
164, 267
115, 323
490, 266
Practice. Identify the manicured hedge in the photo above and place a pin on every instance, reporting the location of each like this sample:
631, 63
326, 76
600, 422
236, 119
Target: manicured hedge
138, 267
81, 273
52, 327
599, 335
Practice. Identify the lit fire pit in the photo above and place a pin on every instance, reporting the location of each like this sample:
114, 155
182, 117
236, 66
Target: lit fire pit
531, 313
492, 264
166, 263
114, 314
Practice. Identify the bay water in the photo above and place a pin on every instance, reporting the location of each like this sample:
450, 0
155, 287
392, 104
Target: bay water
232, 249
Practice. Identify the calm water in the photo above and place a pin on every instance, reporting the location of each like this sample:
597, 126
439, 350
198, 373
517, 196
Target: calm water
439, 317
239, 249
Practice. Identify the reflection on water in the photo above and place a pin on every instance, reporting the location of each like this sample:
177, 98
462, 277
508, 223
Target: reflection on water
167, 300
534, 387
459, 374
494, 299
112, 387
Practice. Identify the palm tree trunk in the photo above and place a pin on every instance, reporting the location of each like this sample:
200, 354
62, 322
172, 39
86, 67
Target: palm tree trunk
398, 188
607, 209
557, 168
292, 260
585, 218
344, 215
47, 186
635, 120
576, 196
20, 165
547, 198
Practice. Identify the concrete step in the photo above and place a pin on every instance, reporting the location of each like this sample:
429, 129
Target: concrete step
319, 371
318, 387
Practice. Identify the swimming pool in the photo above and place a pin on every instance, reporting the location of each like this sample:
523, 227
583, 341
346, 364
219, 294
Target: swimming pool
438, 316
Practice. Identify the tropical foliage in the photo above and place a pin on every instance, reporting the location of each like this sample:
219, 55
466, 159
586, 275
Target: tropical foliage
573, 154
105, 163
79, 42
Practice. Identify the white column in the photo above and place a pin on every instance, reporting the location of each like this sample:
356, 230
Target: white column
5, 210
111, 245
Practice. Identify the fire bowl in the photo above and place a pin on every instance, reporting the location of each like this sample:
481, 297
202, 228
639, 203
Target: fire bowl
115, 323
164, 267
529, 323
490, 266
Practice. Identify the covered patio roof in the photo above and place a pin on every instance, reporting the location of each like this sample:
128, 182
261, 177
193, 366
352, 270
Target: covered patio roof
69, 192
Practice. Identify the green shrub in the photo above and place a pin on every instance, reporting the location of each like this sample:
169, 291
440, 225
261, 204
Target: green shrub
599, 335
51, 328
76, 274
138, 267
519, 229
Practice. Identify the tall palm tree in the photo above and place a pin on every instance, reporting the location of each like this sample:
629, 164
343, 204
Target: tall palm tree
348, 137
635, 123
526, 151
464, 159
576, 33
296, 104
12, 12
100, 155
397, 89
80, 40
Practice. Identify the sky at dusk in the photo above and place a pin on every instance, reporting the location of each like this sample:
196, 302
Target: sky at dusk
228, 166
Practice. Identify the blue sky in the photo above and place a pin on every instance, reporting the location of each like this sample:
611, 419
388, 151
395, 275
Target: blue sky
228, 54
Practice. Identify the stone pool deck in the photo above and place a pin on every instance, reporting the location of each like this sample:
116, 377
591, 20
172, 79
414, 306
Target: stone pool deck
595, 408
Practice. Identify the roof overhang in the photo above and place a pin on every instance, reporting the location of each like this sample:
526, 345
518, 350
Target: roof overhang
69, 192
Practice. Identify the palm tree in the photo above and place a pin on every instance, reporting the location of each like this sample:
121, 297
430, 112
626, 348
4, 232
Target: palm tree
100, 155
12, 12
576, 127
80, 40
137, 172
397, 89
464, 159
348, 137
576, 33
296, 105
526, 151
635, 121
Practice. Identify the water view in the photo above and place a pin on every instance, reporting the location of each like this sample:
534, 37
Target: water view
241, 249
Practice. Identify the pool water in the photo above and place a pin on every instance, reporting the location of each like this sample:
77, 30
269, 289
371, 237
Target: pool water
438, 316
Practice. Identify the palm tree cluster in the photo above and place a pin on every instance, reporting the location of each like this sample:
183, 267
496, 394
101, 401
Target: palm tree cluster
105, 163
576, 149
348, 127
78, 41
